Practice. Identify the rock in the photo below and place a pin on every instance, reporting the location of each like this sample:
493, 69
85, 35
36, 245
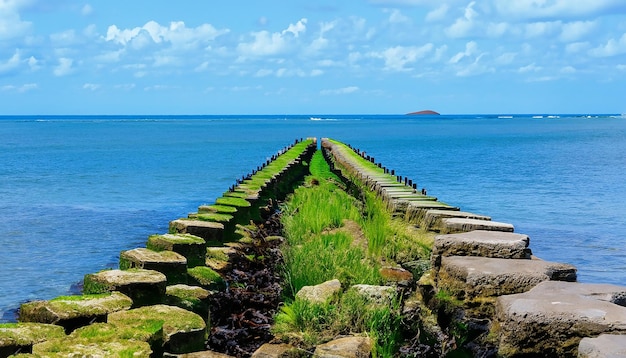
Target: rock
348, 347
469, 277
433, 218
144, 287
480, 243
453, 225
191, 246
424, 112
20, 337
203, 354
173, 265
321, 293
191, 298
210, 231
84, 348
416, 211
183, 331
206, 277
553, 317
376, 294
603, 346
72, 312
397, 275
275, 351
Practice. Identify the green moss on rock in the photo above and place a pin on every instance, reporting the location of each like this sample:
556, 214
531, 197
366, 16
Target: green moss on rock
183, 331
206, 278
144, 287
16, 337
236, 202
191, 298
73, 347
190, 246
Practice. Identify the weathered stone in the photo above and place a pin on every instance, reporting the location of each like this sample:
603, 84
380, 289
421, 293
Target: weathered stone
320, 293
173, 265
191, 246
211, 231
376, 294
144, 287
274, 351
432, 218
20, 337
397, 275
191, 298
454, 225
552, 318
348, 347
151, 333
206, 277
480, 243
416, 211
183, 331
603, 346
468, 277
72, 312
84, 348
218, 258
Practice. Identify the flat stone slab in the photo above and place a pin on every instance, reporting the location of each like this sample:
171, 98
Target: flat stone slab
432, 218
80, 348
173, 265
192, 247
416, 210
208, 230
191, 298
469, 277
345, 347
553, 317
72, 312
144, 287
494, 244
183, 331
453, 225
20, 337
605, 345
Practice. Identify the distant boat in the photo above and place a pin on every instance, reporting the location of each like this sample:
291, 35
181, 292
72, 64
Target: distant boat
315, 118
424, 113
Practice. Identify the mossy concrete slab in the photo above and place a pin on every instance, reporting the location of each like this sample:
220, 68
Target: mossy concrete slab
144, 287
70, 347
183, 331
494, 244
191, 298
20, 337
551, 319
72, 312
416, 210
469, 277
202, 354
345, 347
206, 277
149, 331
173, 265
432, 218
210, 231
454, 225
191, 246
218, 258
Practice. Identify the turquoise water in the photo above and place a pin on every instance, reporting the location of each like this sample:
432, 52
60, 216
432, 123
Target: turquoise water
76, 191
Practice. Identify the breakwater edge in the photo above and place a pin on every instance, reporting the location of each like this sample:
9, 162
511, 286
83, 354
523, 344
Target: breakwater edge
500, 262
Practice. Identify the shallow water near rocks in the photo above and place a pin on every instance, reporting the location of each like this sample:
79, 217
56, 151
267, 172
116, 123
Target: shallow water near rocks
75, 191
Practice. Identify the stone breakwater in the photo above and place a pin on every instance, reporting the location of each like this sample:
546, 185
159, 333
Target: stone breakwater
488, 279
484, 285
156, 303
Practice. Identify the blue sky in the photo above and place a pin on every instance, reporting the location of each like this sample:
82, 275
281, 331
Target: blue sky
305, 57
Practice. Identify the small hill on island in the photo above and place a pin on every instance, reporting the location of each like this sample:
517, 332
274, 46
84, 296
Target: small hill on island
425, 112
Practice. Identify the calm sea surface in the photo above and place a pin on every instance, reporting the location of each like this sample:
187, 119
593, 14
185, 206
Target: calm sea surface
75, 191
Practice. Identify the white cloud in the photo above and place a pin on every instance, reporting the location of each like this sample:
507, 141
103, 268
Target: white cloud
555, 9
612, 48
541, 29
529, 68
344, 90
296, 29
65, 38
177, 34
20, 89
396, 17
64, 67
471, 48
86, 10
574, 31
397, 58
474, 69
505, 58
438, 14
11, 64
11, 24
267, 44
568, 70
91, 86
576, 47
463, 25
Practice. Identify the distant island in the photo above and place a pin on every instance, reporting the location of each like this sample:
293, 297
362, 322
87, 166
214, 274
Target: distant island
426, 112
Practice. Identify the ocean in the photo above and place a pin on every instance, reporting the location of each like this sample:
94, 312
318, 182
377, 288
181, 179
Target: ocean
77, 190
